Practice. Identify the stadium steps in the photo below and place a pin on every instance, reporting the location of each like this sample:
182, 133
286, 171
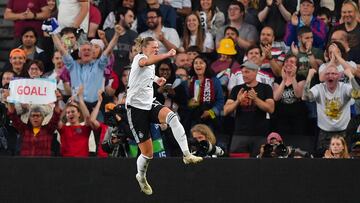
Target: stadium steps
6, 35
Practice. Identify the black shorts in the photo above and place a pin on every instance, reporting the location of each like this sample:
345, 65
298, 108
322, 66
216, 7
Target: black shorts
139, 120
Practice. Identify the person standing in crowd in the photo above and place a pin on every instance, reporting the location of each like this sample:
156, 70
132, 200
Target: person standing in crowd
142, 109
252, 101
308, 55
26, 13
195, 35
124, 18
211, 18
168, 38
275, 14
110, 20
248, 34
333, 100
75, 14
17, 61
306, 17
86, 71
36, 139
168, 14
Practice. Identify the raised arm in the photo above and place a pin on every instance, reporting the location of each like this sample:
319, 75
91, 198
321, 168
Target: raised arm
119, 31
58, 44
156, 58
93, 122
307, 94
84, 110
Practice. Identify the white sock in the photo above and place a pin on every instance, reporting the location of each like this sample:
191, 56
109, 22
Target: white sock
178, 132
142, 163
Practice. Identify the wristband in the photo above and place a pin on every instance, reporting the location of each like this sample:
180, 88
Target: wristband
309, 53
212, 114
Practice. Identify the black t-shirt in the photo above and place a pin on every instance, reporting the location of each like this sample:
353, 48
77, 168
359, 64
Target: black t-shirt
354, 35
250, 120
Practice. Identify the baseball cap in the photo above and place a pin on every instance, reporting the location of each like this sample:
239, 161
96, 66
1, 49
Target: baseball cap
250, 65
17, 52
310, 1
273, 135
227, 47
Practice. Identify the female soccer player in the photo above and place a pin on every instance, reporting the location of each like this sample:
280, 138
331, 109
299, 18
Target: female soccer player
143, 109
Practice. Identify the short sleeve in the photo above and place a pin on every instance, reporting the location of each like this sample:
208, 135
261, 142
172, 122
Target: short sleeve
234, 92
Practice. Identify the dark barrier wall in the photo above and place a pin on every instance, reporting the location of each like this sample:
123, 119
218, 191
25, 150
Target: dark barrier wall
215, 180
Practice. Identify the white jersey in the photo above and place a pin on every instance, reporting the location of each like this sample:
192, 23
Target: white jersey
333, 109
140, 92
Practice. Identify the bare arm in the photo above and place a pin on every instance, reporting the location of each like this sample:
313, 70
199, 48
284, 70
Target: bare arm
230, 106
93, 122
307, 94
278, 90
84, 10
84, 110
10, 15
58, 44
285, 13
118, 32
263, 14
156, 58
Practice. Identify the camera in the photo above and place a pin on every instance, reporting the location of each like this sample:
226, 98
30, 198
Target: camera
283, 151
204, 148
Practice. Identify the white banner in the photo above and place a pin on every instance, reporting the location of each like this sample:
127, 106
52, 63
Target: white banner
32, 91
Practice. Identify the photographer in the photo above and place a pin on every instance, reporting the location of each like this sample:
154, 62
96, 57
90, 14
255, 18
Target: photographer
203, 142
8, 134
275, 148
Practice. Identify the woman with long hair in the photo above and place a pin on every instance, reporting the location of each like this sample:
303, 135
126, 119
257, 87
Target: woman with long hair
194, 34
212, 19
338, 148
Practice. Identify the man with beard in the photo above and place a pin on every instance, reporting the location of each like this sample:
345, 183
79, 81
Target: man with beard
349, 13
333, 100
168, 38
273, 56
126, 38
308, 56
252, 102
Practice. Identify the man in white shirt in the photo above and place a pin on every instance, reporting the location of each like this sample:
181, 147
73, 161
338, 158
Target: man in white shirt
168, 38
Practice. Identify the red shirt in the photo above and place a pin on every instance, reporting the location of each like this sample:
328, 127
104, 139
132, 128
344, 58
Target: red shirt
20, 6
39, 145
100, 152
75, 141
94, 15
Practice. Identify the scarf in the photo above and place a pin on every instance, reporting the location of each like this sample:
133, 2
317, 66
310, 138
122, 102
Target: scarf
206, 90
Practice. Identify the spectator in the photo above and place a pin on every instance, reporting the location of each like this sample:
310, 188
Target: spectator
17, 61
168, 38
353, 52
308, 55
338, 148
87, 71
183, 74
182, 61
254, 55
251, 10
253, 101
36, 139
194, 35
168, 14
211, 18
333, 100
192, 52
74, 136
233, 33
275, 14
26, 13
94, 20
75, 14
110, 20
223, 66
336, 54
206, 96
349, 22
52, 8
274, 57
69, 38
324, 14
124, 18
247, 33
306, 17
290, 116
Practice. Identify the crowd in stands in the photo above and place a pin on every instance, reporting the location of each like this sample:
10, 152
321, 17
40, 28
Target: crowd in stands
255, 75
